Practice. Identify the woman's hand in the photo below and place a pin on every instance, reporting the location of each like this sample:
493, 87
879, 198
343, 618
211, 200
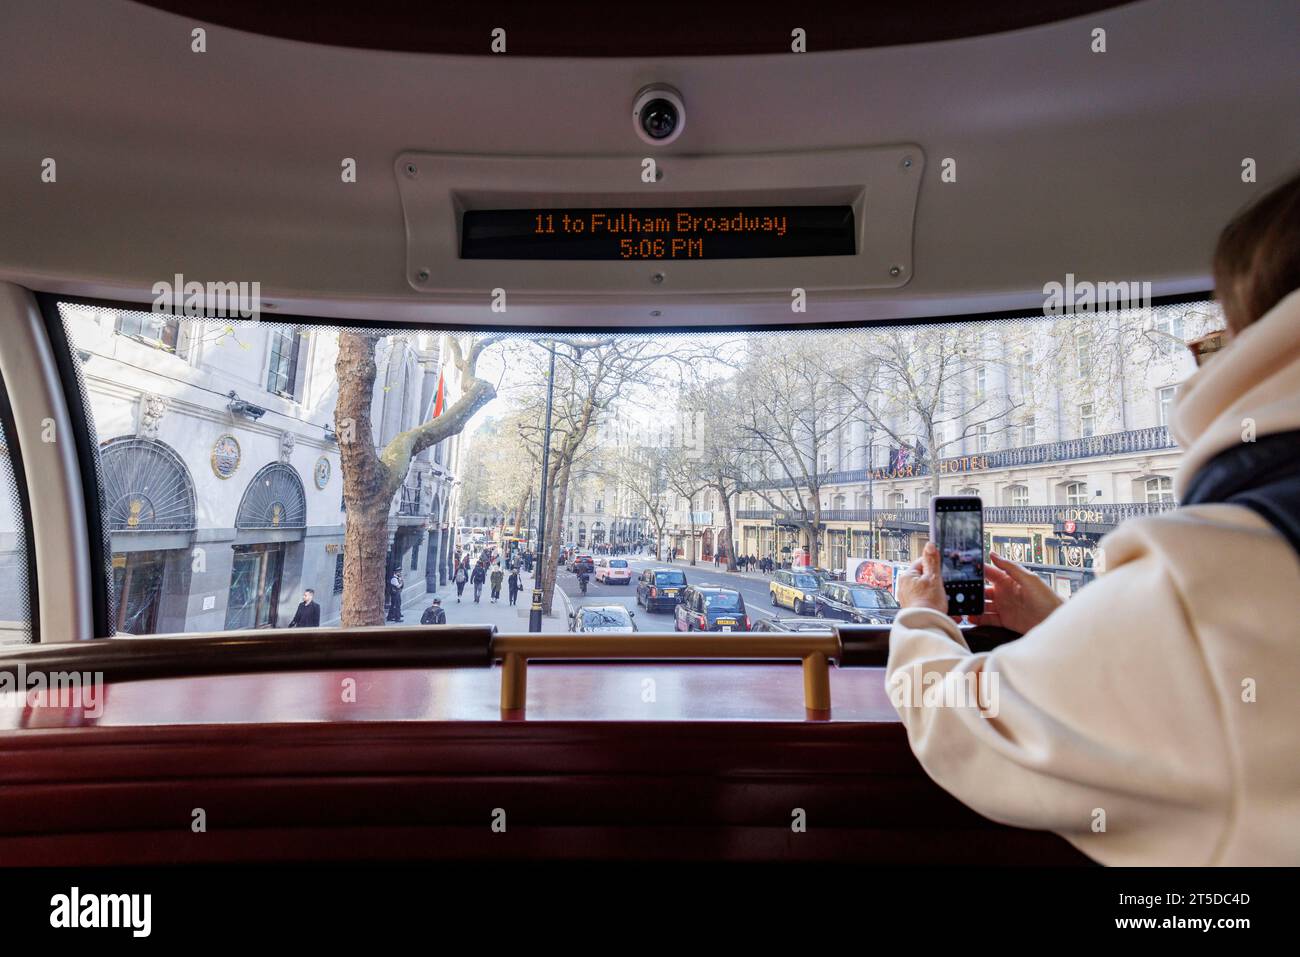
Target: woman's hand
921, 586
1016, 598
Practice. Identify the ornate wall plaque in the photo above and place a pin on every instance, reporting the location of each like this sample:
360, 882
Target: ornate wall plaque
226, 456
322, 472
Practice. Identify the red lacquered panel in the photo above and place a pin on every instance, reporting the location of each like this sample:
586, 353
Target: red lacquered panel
714, 768
650, 691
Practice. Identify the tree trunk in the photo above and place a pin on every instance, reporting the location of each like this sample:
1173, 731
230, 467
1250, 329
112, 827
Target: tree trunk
365, 493
727, 527
814, 550
372, 478
553, 552
365, 559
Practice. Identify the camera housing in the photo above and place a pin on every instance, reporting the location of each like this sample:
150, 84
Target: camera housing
658, 114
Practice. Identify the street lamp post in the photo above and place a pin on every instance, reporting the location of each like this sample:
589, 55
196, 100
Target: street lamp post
535, 613
871, 493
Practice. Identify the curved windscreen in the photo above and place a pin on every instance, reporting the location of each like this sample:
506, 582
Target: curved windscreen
256, 473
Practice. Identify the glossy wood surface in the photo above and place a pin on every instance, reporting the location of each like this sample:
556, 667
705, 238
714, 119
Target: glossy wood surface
712, 769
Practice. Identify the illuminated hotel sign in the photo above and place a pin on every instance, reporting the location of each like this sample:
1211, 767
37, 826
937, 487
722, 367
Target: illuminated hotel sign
670, 232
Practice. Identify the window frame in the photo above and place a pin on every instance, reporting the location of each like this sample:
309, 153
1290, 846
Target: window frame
277, 335
18, 469
69, 386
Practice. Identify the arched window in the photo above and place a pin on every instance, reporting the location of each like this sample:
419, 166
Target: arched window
968, 490
1076, 493
273, 499
895, 500
1160, 489
1017, 495
147, 487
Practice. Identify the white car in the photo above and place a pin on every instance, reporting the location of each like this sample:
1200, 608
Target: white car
613, 571
602, 618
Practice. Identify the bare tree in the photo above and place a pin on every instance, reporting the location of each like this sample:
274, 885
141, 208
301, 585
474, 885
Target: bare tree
788, 414
372, 476
642, 472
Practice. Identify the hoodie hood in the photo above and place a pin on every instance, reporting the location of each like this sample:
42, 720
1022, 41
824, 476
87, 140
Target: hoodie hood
1252, 386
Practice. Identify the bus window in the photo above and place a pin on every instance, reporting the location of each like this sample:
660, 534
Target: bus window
15, 586
226, 445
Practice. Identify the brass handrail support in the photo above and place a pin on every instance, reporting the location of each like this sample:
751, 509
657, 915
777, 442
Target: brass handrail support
813, 651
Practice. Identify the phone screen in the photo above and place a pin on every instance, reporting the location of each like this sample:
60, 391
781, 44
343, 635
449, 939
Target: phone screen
961, 545
958, 531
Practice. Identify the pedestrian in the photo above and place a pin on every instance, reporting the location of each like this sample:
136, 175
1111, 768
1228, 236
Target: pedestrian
462, 576
395, 596
308, 613
497, 577
478, 578
513, 584
434, 615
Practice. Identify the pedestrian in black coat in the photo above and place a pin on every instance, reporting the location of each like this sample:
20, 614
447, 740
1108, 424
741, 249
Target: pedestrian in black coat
308, 613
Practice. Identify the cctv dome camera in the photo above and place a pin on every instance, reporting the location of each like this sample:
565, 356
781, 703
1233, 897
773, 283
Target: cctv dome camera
658, 114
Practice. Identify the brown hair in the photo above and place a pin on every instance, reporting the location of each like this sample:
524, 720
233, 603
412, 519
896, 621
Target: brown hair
1257, 259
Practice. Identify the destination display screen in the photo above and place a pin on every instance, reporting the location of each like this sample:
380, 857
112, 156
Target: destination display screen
669, 232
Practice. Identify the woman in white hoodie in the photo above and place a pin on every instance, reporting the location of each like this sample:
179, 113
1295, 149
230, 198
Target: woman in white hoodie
1154, 718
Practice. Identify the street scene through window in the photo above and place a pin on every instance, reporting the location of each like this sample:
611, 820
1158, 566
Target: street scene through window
256, 474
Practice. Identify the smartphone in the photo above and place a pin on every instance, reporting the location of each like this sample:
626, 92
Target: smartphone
957, 530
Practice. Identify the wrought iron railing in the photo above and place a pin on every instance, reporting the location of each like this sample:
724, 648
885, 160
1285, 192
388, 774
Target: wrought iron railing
410, 503
1108, 514
1152, 439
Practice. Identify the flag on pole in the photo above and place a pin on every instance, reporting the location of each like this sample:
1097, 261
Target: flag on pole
437, 399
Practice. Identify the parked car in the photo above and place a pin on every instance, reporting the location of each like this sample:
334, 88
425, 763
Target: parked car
613, 571
711, 608
796, 590
660, 589
792, 624
582, 563
860, 604
602, 618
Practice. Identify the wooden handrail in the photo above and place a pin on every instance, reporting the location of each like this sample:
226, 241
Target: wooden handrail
250, 652
458, 646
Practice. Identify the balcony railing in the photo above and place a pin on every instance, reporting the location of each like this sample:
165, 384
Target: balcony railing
1110, 514
1153, 439
410, 503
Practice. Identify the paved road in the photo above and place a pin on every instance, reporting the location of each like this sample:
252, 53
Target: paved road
753, 587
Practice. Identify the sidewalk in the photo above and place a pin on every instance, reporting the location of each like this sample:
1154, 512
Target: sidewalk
702, 567
508, 620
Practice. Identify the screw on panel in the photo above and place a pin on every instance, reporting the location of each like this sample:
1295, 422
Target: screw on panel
422, 275
894, 271
657, 277
907, 162
412, 170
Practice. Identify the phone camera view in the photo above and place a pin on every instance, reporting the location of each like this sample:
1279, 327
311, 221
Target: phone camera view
960, 546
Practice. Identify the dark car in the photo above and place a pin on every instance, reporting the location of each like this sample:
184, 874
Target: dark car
792, 624
583, 563
660, 589
711, 608
860, 604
